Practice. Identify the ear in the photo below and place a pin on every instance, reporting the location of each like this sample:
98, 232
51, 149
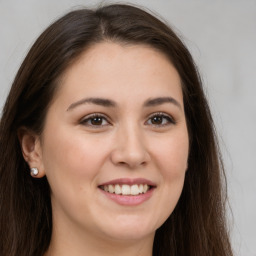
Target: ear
31, 150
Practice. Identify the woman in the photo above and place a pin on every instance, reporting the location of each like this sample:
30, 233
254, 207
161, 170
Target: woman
108, 145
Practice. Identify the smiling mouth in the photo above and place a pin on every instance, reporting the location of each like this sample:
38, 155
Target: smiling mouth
126, 190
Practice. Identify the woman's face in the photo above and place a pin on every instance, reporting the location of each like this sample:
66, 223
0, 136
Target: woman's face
115, 143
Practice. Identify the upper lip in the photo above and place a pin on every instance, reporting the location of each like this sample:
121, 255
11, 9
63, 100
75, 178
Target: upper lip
129, 181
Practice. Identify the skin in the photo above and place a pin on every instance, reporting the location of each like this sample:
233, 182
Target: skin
77, 156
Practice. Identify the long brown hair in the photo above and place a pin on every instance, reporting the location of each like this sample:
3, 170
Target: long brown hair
197, 226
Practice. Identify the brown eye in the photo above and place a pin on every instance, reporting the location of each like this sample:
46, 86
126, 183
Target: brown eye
157, 120
160, 119
95, 120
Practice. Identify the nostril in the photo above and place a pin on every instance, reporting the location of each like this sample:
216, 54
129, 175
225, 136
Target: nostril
131, 165
130, 156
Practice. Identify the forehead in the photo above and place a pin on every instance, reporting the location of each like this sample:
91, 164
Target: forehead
106, 67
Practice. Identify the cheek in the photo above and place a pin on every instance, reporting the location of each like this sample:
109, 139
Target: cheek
171, 159
172, 155
72, 164
70, 157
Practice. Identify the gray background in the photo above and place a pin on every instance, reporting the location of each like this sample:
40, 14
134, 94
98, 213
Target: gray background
222, 38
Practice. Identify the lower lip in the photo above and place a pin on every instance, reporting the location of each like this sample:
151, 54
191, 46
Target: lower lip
129, 200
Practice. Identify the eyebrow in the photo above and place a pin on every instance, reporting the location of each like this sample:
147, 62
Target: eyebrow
109, 103
160, 101
96, 101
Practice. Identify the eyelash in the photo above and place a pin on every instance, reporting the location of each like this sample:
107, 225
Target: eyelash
94, 116
168, 120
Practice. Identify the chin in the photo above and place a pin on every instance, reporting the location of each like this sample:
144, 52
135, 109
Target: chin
127, 228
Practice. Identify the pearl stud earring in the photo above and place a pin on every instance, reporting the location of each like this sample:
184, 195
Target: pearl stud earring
34, 171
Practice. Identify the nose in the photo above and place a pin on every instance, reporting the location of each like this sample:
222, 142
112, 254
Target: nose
129, 148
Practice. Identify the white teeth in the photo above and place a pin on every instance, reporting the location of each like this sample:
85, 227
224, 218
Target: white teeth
118, 190
125, 189
111, 189
135, 190
145, 188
